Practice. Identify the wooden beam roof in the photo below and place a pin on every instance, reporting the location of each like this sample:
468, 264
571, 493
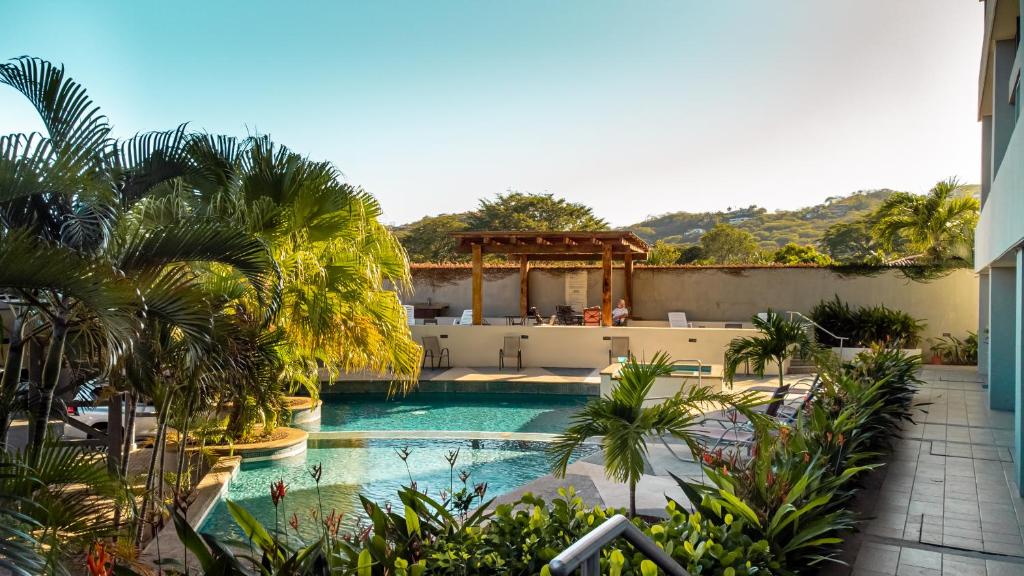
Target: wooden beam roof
553, 245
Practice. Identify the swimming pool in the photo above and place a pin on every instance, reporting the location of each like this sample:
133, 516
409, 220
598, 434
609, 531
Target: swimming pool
447, 411
374, 469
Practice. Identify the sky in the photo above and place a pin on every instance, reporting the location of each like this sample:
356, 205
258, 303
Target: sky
634, 108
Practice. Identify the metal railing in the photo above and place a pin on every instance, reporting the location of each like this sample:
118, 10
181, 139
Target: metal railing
700, 375
842, 339
585, 553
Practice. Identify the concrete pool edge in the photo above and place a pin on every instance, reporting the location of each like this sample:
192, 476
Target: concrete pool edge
211, 489
324, 439
345, 387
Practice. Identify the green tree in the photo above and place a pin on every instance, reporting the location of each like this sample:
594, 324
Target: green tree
519, 211
624, 422
429, 239
795, 254
852, 243
780, 340
938, 227
662, 254
725, 244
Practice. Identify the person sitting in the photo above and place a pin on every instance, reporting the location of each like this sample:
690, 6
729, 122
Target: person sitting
532, 313
620, 314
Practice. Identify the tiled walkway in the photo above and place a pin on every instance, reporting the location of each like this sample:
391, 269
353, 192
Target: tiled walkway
948, 504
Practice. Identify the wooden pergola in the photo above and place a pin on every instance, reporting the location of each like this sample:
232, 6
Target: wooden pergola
561, 246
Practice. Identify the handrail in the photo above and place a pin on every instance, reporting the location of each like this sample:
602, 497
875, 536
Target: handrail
585, 553
700, 375
841, 339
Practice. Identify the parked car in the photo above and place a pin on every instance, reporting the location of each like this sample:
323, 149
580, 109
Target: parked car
95, 415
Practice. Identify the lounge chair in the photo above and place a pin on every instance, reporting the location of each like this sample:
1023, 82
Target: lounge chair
410, 314
466, 318
737, 430
619, 349
432, 349
512, 348
730, 428
677, 320
592, 316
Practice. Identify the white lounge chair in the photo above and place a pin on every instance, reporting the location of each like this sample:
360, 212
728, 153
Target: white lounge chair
410, 314
466, 318
677, 320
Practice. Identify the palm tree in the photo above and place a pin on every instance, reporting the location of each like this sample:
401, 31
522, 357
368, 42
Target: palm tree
780, 340
623, 422
937, 227
337, 259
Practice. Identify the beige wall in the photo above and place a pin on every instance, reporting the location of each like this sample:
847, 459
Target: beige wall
577, 346
948, 304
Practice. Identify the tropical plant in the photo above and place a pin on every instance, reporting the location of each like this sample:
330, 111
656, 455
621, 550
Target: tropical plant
865, 325
624, 419
779, 341
955, 351
56, 505
937, 227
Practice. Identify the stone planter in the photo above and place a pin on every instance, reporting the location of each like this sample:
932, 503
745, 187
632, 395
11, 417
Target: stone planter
303, 410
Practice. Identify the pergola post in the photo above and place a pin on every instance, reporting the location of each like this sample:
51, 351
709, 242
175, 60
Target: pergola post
524, 284
478, 285
606, 285
627, 272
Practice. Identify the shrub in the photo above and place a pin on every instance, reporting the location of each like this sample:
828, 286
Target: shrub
865, 326
953, 350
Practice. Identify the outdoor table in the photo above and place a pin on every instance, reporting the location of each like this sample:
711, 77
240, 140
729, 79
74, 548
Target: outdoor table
427, 311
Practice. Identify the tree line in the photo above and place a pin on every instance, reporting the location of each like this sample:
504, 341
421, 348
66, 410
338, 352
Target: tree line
872, 229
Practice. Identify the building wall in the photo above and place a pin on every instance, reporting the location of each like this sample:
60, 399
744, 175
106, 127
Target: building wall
579, 346
948, 304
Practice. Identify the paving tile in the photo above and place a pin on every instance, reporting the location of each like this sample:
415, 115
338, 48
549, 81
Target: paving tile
878, 557
953, 565
996, 568
923, 558
962, 542
907, 570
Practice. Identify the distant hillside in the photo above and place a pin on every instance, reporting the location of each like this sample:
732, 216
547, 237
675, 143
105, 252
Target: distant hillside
429, 239
772, 229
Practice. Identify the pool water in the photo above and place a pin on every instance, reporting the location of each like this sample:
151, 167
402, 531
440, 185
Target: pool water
374, 469
438, 411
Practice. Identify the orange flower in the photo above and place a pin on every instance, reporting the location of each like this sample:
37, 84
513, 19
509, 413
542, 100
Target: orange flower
807, 457
98, 561
708, 459
841, 439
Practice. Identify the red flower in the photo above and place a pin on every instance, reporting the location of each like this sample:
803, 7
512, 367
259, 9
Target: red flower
708, 459
98, 561
294, 522
277, 492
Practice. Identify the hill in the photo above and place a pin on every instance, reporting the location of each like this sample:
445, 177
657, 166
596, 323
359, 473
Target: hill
772, 229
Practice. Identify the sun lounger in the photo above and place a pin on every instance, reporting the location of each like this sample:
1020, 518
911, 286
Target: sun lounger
410, 314
513, 348
466, 318
677, 320
432, 349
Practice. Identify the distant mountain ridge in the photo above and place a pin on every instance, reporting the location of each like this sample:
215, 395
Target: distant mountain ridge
772, 229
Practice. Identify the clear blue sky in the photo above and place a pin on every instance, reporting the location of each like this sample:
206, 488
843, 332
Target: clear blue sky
635, 108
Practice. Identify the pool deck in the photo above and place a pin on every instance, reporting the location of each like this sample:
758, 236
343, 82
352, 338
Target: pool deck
570, 381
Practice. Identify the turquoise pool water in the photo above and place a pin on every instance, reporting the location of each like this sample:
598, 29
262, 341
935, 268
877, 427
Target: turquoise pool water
374, 469
463, 411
